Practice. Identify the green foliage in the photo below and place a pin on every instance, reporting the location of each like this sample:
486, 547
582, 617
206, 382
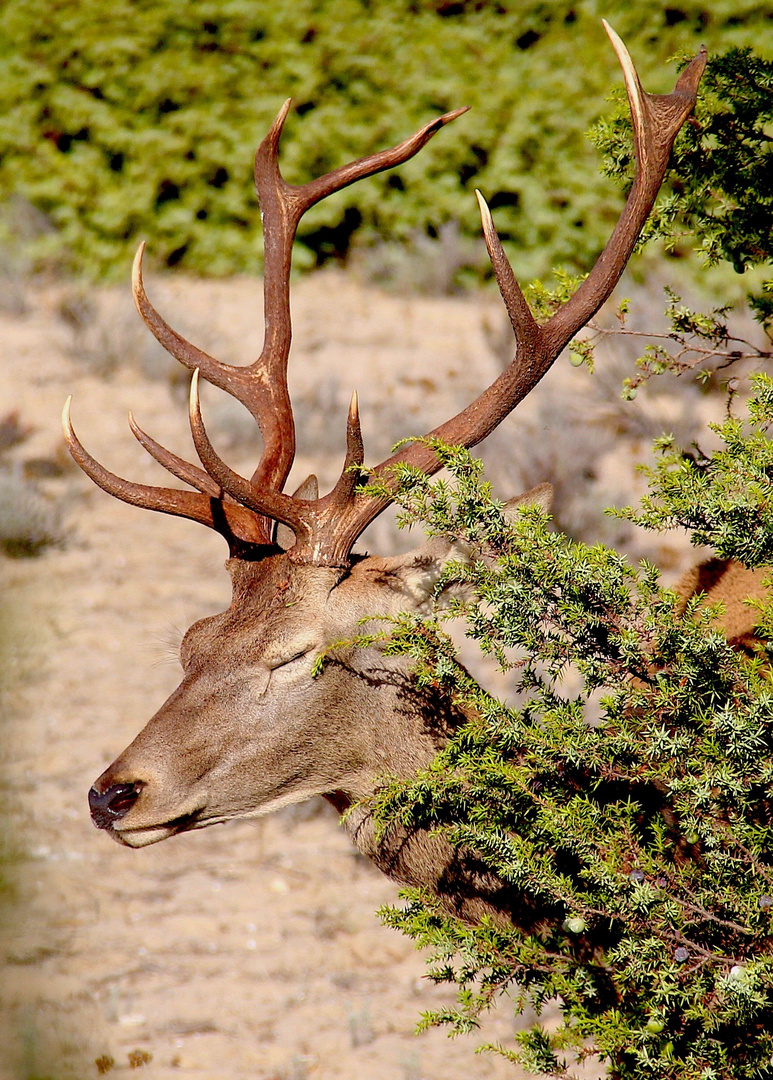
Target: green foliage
628, 795
725, 500
703, 343
719, 192
720, 189
138, 118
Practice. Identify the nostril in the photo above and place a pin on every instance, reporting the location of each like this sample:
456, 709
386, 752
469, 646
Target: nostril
111, 805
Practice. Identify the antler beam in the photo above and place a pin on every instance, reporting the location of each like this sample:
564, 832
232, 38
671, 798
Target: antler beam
657, 120
237, 524
327, 528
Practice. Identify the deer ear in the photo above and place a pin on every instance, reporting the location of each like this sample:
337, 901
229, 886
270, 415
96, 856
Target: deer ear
419, 571
541, 496
284, 537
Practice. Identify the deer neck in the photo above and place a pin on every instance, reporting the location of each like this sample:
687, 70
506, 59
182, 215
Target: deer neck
417, 857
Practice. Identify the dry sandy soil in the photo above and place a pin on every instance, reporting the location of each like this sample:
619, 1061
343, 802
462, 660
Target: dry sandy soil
250, 950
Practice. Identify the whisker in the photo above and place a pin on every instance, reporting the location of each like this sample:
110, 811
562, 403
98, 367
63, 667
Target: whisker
165, 646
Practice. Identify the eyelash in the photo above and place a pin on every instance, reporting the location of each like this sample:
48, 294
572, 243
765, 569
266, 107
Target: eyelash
292, 659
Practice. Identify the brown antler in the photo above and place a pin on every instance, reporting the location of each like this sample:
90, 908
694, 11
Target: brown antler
236, 523
262, 386
327, 528
657, 120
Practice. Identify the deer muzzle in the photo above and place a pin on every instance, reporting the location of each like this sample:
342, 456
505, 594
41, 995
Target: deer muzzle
110, 806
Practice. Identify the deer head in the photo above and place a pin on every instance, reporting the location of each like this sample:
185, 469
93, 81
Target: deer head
249, 729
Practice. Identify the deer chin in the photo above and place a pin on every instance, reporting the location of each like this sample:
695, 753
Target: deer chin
139, 836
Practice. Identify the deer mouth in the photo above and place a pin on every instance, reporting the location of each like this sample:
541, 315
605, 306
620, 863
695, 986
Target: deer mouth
137, 836
109, 809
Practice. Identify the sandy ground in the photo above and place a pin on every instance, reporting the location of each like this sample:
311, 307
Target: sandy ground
250, 950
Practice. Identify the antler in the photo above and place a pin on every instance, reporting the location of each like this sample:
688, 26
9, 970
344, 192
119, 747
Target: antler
327, 528
657, 119
262, 386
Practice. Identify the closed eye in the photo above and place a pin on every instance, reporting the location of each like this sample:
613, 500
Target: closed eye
261, 684
291, 659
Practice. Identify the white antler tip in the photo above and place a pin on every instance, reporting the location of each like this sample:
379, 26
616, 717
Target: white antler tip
485, 214
624, 57
613, 36
66, 421
633, 86
194, 398
354, 406
137, 269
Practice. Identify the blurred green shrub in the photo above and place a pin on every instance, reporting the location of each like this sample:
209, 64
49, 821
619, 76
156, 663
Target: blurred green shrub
720, 190
138, 118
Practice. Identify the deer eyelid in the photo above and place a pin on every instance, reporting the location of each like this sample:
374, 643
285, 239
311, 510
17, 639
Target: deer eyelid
298, 655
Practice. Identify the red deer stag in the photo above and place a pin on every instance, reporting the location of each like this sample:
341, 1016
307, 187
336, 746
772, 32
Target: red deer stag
249, 730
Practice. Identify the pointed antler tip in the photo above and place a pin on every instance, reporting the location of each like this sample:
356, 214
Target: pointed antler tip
636, 95
137, 431
194, 392
276, 127
620, 48
354, 405
137, 286
482, 204
446, 118
485, 216
66, 421
688, 81
618, 45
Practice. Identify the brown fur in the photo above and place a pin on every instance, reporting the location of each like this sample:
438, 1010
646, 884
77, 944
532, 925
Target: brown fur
249, 730
730, 583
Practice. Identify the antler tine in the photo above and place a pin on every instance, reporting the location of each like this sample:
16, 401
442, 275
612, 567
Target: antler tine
238, 525
376, 163
269, 504
656, 121
282, 206
524, 324
355, 455
225, 376
177, 466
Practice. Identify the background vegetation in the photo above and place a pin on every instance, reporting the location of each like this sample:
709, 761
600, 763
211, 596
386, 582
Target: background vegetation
138, 118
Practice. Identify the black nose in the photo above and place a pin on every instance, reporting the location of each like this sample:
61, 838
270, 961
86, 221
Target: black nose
112, 804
